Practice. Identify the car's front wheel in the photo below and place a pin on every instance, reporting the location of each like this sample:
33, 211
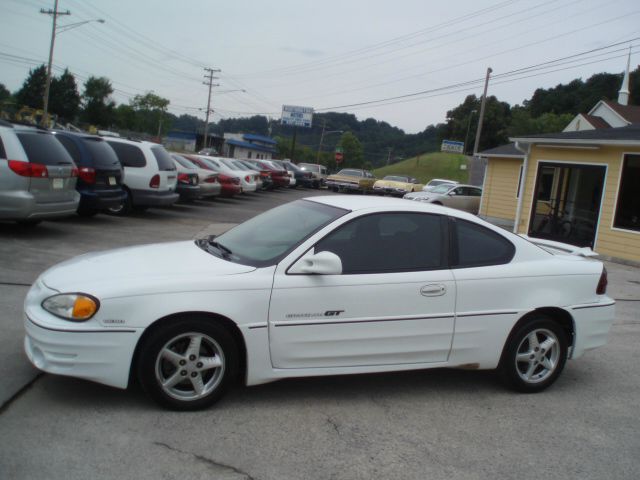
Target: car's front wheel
187, 365
534, 355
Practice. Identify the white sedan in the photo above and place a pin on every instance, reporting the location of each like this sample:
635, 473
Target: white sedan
321, 286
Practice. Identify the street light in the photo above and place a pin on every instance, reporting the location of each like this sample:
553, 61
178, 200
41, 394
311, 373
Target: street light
69, 26
324, 125
54, 29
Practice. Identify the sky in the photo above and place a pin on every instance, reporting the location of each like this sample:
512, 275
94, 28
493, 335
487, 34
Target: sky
406, 62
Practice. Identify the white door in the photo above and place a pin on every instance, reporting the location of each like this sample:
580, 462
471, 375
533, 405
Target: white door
393, 303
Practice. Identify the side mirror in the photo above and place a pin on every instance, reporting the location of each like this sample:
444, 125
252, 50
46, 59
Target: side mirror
323, 263
452, 193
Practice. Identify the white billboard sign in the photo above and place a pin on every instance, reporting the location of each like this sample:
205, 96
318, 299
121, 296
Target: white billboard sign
297, 116
452, 146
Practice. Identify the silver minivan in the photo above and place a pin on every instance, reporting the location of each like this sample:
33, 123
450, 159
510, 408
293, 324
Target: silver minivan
37, 175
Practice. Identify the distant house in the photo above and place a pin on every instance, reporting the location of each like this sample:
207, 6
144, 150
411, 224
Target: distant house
248, 146
580, 186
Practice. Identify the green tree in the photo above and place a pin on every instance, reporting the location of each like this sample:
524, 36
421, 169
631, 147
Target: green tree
64, 99
31, 94
150, 109
125, 117
5, 94
98, 106
352, 152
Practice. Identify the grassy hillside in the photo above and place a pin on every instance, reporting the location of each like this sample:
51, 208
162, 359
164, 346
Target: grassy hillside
428, 166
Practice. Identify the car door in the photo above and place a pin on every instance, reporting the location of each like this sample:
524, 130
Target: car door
456, 198
393, 303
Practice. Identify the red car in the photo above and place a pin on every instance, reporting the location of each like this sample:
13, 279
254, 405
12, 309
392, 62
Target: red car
280, 177
230, 184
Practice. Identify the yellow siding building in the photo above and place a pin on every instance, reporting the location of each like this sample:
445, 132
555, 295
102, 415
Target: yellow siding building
581, 188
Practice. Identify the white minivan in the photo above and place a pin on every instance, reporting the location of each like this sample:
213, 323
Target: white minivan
150, 176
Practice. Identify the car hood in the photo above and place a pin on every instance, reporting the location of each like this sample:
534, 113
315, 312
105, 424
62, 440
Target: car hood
140, 269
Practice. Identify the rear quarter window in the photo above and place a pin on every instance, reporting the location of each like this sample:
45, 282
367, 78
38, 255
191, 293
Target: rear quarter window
101, 153
163, 158
129, 155
3, 154
477, 246
71, 147
43, 148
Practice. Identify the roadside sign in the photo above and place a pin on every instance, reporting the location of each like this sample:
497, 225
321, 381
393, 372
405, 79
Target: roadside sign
297, 116
339, 155
452, 146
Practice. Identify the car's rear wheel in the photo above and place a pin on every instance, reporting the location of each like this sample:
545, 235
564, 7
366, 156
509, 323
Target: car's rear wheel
124, 208
534, 356
187, 365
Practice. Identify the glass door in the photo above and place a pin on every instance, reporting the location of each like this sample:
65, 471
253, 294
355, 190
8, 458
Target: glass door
566, 203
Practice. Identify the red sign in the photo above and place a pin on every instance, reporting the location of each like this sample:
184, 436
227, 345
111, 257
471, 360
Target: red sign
338, 157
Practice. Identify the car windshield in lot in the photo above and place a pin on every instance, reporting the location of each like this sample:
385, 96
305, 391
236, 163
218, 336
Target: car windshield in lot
395, 178
44, 149
351, 173
266, 239
444, 188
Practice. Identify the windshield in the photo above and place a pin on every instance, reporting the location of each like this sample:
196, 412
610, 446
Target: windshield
267, 238
351, 173
441, 188
396, 178
184, 162
310, 168
227, 163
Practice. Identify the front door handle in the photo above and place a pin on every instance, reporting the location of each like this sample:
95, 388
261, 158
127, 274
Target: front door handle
433, 290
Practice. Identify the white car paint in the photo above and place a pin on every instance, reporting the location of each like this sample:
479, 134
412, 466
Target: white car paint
385, 322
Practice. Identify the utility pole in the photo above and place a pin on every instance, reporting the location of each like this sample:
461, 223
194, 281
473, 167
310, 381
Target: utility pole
389, 156
55, 13
324, 126
466, 137
210, 78
481, 118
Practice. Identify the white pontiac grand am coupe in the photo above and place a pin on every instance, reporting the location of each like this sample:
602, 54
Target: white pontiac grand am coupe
321, 286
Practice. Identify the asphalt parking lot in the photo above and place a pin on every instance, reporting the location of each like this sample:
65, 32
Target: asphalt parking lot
412, 425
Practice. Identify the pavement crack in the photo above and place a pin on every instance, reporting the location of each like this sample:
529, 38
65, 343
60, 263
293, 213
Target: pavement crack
334, 424
205, 460
19, 393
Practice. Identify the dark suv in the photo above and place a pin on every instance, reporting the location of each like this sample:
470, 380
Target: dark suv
99, 172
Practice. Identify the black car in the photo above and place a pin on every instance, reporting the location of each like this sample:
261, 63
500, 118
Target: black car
99, 172
303, 177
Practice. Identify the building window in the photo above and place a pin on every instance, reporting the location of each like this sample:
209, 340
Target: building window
628, 206
249, 154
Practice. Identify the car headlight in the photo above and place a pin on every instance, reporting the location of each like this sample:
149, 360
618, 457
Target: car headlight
77, 307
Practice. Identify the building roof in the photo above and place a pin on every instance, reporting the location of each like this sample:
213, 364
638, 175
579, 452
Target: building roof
251, 146
250, 137
631, 113
629, 135
597, 122
508, 150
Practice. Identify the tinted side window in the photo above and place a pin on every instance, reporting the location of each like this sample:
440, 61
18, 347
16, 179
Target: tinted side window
101, 153
129, 155
388, 242
3, 154
476, 246
163, 158
44, 149
71, 147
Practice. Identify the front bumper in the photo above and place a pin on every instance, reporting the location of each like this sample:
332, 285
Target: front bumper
102, 356
344, 186
389, 191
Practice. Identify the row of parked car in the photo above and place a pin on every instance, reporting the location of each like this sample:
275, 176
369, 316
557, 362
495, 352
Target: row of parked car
49, 173
439, 191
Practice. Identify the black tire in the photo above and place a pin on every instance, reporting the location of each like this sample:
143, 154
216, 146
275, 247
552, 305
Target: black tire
28, 223
123, 209
87, 212
316, 185
216, 345
534, 355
